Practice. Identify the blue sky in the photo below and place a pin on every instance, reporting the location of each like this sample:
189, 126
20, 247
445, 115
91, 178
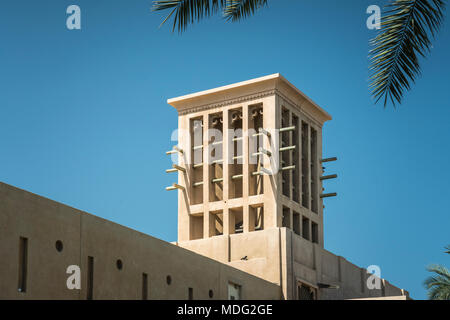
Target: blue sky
84, 119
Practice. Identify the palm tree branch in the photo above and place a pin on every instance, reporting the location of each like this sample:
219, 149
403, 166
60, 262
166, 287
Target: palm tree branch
438, 285
185, 12
236, 10
404, 35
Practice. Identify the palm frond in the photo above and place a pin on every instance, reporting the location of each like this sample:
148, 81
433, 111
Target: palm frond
448, 249
405, 33
186, 12
438, 286
236, 10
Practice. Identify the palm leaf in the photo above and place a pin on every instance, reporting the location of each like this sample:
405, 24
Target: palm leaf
236, 10
438, 285
405, 33
185, 12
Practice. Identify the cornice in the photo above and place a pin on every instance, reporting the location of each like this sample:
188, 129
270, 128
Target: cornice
228, 102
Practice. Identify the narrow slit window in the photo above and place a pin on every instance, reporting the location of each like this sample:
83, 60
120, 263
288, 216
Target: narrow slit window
23, 264
197, 160
314, 232
305, 228
305, 166
286, 221
314, 183
90, 278
144, 286
191, 293
296, 222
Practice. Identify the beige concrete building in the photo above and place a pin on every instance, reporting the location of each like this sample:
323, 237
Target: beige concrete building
250, 184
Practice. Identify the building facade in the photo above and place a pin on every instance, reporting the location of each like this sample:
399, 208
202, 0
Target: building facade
249, 173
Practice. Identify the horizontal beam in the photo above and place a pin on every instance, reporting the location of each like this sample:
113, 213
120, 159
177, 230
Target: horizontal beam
179, 168
328, 159
331, 176
326, 195
175, 149
287, 148
292, 128
174, 186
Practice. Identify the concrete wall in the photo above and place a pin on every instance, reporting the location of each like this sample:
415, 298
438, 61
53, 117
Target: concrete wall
312, 265
43, 222
261, 250
284, 258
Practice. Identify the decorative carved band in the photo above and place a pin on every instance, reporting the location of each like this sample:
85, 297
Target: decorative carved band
224, 103
250, 97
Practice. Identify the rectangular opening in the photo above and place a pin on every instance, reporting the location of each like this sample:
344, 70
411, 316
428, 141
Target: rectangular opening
23, 264
296, 222
216, 223
234, 291
235, 153
295, 160
256, 218
90, 278
196, 227
256, 160
196, 129
314, 167
305, 292
285, 156
286, 222
191, 294
305, 165
215, 156
237, 219
305, 228
314, 232
144, 286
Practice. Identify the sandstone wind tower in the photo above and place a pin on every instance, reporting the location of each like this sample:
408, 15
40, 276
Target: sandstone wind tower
249, 170
249, 159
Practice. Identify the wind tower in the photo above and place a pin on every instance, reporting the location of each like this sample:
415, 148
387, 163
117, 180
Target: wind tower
249, 159
250, 174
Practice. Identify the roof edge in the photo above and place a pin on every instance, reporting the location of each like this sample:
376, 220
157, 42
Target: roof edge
175, 102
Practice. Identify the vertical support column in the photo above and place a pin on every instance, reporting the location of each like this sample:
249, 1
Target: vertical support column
228, 221
320, 186
245, 151
209, 225
246, 215
308, 163
225, 155
314, 171
184, 142
272, 183
249, 216
299, 158
206, 178
289, 157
